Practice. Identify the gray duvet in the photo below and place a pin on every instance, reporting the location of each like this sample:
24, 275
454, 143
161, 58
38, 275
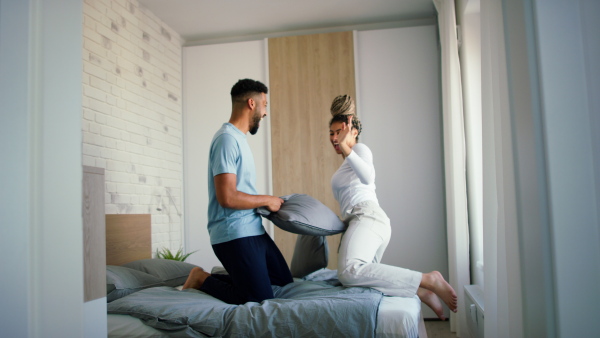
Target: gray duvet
301, 309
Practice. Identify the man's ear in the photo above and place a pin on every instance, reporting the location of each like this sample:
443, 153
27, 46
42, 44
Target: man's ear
251, 103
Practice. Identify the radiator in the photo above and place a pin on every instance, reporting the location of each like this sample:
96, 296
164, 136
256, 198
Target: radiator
475, 310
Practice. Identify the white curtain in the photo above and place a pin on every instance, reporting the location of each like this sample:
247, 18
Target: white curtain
502, 280
454, 159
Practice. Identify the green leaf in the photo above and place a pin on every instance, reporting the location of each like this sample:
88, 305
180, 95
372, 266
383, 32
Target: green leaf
166, 253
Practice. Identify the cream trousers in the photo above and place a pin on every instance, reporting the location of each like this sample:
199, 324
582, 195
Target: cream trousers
362, 248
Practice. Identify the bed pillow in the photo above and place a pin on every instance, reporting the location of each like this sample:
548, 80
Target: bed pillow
121, 281
304, 215
170, 272
311, 253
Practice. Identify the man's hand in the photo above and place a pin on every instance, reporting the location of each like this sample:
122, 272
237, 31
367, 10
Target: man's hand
274, 203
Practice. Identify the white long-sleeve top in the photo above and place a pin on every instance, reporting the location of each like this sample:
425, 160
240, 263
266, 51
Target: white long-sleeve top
354, 181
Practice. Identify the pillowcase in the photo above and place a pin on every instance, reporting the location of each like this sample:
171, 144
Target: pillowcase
170, 272
311, 253
304, 215
121, 281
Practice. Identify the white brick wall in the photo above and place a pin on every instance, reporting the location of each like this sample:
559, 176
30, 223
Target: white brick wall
132, 113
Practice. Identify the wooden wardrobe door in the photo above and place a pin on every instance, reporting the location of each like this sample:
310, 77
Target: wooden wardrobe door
306, 73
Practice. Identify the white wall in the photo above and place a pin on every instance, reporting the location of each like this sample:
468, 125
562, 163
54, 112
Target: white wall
209, 73
398, 100
132, 113
95, 321
40, 143
569, 66
14, 175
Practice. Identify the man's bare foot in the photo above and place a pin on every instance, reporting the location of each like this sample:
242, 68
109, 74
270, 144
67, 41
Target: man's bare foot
195, 279
434, 281
430, 298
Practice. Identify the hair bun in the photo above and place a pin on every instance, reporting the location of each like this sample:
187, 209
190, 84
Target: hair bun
343, 105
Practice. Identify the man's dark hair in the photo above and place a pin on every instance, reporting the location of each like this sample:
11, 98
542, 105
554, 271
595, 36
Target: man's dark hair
246, 87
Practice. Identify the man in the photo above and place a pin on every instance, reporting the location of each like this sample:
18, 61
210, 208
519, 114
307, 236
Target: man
237, 235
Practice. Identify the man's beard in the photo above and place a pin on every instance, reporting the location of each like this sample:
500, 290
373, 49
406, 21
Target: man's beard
255, 124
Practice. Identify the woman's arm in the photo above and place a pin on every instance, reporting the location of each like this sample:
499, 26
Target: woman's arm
360, 160
358, 155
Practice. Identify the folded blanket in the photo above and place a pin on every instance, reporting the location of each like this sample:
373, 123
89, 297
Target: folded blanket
301, 309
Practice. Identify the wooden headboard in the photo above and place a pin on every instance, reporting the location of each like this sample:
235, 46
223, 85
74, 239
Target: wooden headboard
128, 238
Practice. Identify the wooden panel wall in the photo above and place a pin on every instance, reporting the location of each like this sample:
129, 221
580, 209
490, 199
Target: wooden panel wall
94, 253
306, 73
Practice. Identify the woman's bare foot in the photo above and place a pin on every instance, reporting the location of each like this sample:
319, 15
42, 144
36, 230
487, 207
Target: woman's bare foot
434, 281
195, 279
432, 300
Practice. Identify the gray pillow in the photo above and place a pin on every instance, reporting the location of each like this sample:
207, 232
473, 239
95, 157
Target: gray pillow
121, 281
170, 272
304, 215
310, 254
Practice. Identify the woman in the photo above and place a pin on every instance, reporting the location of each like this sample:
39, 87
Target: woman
369, 230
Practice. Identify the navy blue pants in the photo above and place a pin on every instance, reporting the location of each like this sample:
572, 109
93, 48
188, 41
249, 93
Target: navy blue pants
254, 264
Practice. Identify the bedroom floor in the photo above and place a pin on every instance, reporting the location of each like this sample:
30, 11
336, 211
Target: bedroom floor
438, 329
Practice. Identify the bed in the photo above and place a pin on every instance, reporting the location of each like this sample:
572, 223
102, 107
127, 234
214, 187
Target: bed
145, 299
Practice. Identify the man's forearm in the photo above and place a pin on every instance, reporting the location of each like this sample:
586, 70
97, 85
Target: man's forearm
242, 201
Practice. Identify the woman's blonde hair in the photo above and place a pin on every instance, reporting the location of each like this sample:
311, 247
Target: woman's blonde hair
341, 107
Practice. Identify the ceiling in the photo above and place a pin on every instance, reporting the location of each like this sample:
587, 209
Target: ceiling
203, 20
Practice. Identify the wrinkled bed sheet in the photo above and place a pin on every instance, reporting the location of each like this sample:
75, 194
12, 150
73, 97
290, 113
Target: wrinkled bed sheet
300, 309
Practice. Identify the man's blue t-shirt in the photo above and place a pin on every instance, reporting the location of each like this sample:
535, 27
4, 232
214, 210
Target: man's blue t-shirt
230, 153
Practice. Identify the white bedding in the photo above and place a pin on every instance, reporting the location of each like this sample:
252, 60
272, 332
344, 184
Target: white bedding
397, 317
400, 317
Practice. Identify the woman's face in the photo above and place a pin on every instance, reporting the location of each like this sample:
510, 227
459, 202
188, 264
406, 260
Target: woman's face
334, 131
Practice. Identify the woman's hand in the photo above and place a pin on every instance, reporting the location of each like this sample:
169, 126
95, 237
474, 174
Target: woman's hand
346, 137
